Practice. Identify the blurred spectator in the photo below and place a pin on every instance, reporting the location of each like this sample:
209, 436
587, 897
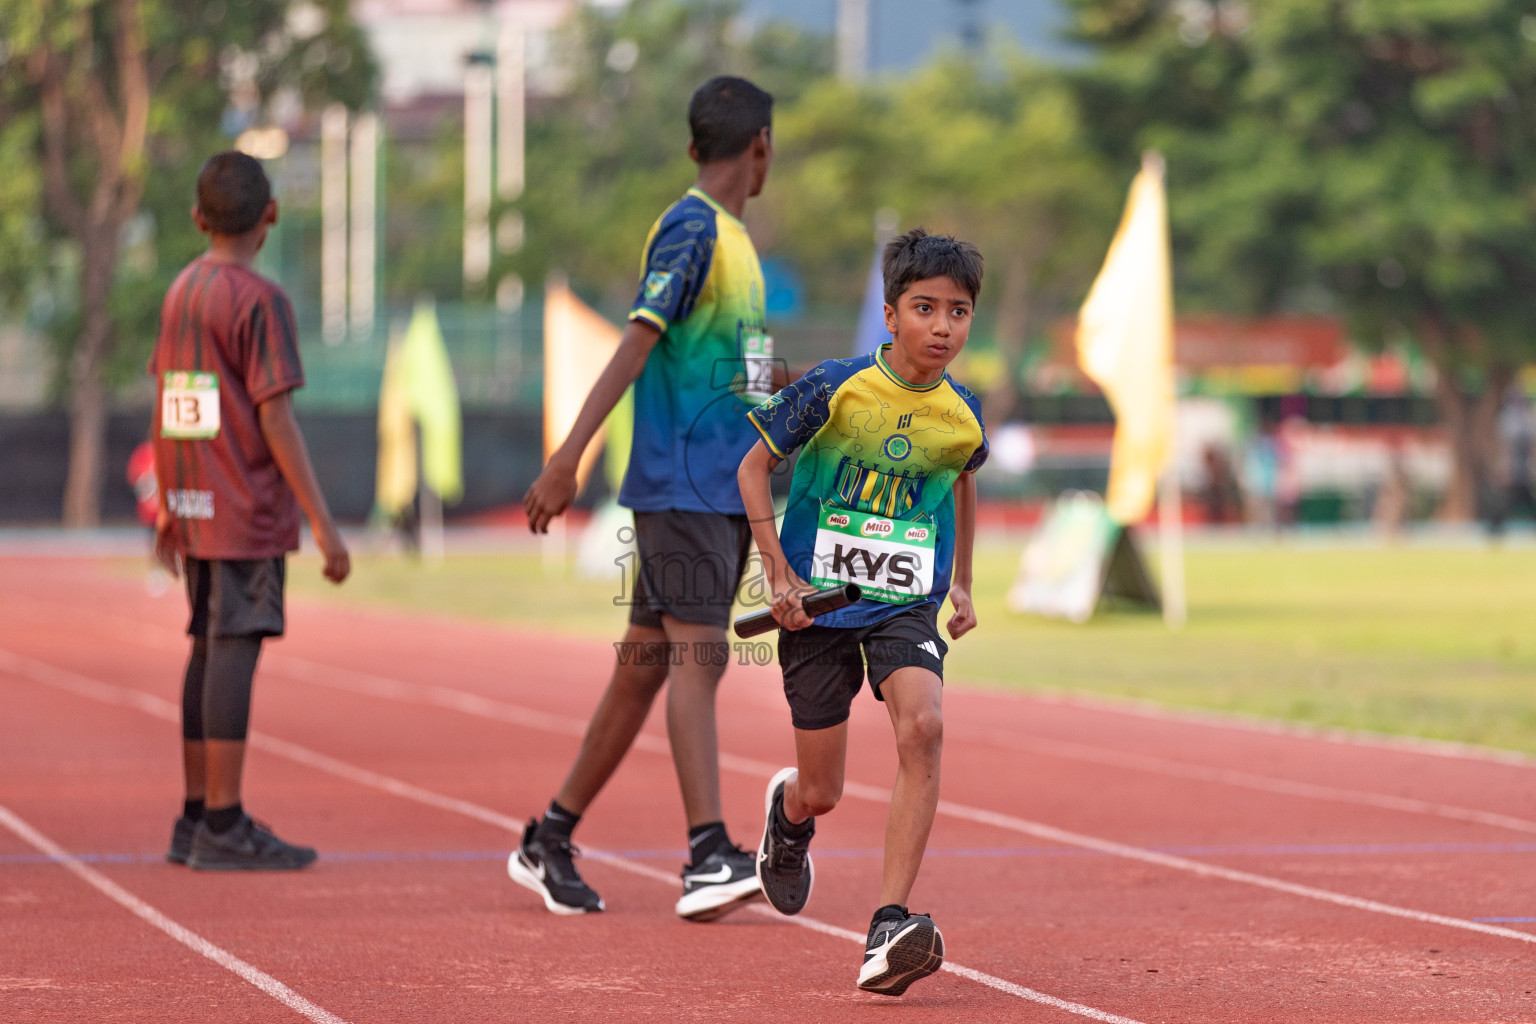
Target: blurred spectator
1391, 509
141, 477
1222, 496
1261, 468
1288, 441
1513, 469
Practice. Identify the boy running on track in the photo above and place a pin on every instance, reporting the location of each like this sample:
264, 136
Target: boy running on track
230, 460
882, 496
697, 354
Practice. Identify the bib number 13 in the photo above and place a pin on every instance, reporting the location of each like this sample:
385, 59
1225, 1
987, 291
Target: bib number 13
189, 405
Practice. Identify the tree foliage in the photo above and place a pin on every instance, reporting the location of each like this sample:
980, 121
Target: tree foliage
115, 103
997, 156
995, 153
609, 155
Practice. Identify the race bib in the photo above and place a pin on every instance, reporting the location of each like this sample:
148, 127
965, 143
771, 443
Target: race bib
189, 405
890, 559
757, 356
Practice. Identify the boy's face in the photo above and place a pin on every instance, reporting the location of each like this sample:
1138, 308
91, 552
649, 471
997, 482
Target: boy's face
930, 322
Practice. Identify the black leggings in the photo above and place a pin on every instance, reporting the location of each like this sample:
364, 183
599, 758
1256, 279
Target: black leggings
216, 696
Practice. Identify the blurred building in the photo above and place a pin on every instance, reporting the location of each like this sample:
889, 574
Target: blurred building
421, 44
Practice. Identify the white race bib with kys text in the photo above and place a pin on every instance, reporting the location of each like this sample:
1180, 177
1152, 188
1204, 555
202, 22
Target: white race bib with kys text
890, 559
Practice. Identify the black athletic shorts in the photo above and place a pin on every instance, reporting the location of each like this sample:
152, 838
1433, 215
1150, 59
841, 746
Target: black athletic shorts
690, 566
235, 597
823, 669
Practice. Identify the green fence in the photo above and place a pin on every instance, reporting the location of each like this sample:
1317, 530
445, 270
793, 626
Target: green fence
497, 359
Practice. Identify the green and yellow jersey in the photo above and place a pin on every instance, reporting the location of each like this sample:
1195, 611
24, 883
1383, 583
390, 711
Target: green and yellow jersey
871, 500
702, 287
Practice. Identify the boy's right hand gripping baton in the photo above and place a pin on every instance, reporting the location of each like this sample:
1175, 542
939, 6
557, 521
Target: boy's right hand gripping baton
819, 603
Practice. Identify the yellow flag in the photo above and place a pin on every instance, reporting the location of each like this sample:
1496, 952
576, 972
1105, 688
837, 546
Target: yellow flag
578, 343
395, 483
1125, 344
434, 399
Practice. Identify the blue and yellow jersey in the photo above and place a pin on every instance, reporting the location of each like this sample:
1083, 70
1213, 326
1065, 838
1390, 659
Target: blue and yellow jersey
702, 287
871, 500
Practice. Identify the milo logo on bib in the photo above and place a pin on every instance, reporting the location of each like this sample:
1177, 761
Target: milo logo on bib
890, 559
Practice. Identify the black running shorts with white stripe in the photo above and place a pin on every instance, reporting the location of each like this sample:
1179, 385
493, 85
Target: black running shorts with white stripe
824, 667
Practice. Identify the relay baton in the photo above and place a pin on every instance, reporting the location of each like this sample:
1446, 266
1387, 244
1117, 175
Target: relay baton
819, 603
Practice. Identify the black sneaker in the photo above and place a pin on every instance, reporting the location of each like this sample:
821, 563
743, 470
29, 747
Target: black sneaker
726, 881
783, 862
248, 846
181, 840
547, 867
900, 950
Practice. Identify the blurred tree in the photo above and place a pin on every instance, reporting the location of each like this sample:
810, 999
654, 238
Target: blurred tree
997, 156
610, 154
994, 153
1376, 154
115, 103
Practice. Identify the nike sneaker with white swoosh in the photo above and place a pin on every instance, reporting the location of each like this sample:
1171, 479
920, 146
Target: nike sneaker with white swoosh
546, 865
902, 948
784, 860
725, 881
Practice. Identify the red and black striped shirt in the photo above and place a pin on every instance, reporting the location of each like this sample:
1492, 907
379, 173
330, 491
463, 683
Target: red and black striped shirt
225, 492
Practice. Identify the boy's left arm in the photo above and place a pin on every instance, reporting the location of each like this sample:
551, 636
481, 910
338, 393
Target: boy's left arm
282, 434
964, 618
167, 543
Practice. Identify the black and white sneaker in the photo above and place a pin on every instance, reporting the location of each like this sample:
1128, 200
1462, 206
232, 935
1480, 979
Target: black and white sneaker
181, 840
547, 867
901, 949
726, 881
783, 861
248, 846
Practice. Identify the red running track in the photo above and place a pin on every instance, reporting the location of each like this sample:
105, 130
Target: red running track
1089, 863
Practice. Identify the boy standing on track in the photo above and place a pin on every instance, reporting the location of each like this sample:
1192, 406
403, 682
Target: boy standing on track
696, 351
230, 461
882, 496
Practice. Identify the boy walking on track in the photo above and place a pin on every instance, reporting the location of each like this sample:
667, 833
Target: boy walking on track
696, 351
882, 496
233, 473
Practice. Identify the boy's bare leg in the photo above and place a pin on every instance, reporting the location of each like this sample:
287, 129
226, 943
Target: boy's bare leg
913, 697
226, 762
194, 764
691, 689
820, 758
617, 721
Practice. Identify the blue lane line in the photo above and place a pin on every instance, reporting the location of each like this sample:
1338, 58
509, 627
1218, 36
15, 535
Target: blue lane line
1506, 920
1310, 849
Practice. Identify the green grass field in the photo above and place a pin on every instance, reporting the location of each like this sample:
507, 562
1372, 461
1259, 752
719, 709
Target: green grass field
1426, 642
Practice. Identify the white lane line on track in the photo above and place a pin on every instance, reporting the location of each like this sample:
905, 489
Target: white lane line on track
1248, 780
353, 681
474, 704
84, 686
1241, 721
501, 711
149, 915
395, 689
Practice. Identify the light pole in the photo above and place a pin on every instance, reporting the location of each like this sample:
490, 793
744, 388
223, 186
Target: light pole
479, 82
333, 223
852, 39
